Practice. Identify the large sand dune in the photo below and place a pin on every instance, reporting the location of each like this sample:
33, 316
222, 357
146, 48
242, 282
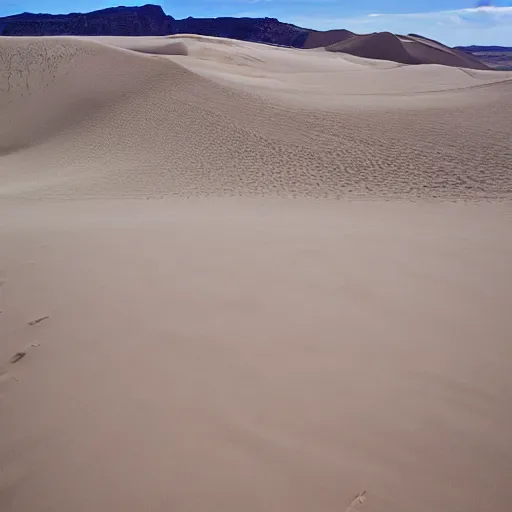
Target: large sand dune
404, 49
339, 327
100, 120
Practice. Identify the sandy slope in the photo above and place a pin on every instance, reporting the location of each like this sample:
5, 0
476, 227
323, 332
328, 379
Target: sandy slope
254, 352
104, 121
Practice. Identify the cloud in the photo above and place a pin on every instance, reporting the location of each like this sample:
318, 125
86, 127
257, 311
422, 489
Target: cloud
482, 24
494, 10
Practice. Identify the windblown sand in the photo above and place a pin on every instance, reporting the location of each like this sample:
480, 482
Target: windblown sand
242, 278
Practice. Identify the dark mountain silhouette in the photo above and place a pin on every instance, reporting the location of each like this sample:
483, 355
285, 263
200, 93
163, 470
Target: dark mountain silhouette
118, 21
151, 20
476, 48
495, 57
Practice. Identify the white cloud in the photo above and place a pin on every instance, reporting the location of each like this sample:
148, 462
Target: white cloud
485, 9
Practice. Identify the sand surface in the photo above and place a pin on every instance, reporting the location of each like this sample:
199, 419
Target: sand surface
266, 279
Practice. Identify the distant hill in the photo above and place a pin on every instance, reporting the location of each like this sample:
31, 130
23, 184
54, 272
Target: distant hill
151, 20
495, 57
476, 49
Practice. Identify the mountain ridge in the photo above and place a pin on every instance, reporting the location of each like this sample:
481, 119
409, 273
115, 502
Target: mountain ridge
151, 20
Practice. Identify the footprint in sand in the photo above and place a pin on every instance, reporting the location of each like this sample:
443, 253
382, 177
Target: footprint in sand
16, 357
357, 503
22, 353
38, 320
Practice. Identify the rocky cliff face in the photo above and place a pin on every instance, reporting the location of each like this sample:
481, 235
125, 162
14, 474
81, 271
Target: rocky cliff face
150, 20
117, 21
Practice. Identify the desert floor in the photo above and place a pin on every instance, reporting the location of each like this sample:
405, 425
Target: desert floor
268, 279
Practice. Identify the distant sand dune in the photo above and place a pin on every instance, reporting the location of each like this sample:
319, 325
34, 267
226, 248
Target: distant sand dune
320, 39
404, 49
383, 45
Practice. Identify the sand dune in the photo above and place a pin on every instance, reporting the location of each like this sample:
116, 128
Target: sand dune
326, 38
382, 45
236, 277
100, 120
404, 49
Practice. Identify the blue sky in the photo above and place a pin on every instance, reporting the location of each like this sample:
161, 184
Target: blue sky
450, 21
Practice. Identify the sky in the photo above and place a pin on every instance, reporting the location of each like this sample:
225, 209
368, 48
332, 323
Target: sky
453, 22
